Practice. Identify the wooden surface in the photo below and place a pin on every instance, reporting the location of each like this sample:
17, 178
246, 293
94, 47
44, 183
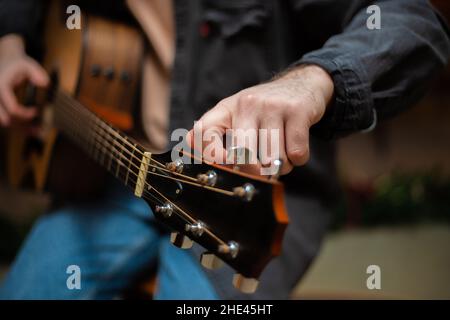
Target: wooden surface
117, 49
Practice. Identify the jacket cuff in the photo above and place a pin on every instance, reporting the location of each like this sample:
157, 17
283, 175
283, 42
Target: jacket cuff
352, 109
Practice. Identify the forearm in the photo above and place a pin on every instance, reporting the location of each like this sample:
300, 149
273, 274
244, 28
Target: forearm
377, 73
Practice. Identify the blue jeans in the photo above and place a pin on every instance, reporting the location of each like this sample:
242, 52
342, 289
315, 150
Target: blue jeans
110, 241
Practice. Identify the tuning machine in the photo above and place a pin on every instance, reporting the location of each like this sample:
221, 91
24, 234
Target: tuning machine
180, 241
246, 192
196, 229
244, 284
166, 209
210, 261
231, 248
175, 166
209, 178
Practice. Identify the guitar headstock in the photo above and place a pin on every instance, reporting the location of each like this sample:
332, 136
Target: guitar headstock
238, 218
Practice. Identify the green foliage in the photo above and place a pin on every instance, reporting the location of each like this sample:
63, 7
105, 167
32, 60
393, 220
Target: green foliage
397, 199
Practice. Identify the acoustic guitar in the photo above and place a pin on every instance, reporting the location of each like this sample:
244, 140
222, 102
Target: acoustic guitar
238, 218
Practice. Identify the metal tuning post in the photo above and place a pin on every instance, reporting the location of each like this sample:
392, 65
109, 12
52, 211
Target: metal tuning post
208, 179
175, 166
231, 248
196, 229
166, 210
246, 192
210, 261
180, 241
245, 285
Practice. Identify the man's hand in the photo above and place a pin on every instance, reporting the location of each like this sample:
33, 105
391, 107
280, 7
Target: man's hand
15, 68
291, 103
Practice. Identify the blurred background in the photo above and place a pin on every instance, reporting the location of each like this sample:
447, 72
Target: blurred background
394, 213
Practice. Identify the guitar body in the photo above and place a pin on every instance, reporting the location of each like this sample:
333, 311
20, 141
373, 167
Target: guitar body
99, 65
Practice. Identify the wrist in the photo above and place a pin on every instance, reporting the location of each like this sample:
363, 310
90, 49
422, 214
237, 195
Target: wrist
11, 46
319, 80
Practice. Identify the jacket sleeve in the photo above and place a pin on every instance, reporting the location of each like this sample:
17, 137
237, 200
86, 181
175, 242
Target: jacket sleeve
23, 17
378, 72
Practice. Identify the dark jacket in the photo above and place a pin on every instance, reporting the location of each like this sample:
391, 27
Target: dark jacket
223, 46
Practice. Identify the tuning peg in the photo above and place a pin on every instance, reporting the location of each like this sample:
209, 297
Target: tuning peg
231, 249
245, 285
176, 166
180, 241
278, 164
196, 229
166, 210
210, 261
209, 178
246, 192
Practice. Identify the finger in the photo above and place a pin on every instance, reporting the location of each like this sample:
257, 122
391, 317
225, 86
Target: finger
272, 144
4, 118
16, 110
297, 140
244, 135
37, 74
211, 128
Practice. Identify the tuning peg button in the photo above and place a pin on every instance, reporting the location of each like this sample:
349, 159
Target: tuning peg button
210, 261
180, 241
245, 285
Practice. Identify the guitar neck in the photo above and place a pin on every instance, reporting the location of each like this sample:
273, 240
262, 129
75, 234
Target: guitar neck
121, 156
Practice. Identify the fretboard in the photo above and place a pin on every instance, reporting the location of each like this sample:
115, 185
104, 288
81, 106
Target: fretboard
121, 156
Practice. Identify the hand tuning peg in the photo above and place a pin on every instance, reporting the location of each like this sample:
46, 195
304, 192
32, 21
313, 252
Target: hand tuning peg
180, 241
210, 261
245, 285
277, 164
238, 155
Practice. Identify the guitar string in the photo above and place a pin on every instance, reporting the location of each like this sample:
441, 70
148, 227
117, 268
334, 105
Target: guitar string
147, 192
162, 167
106, 146
124, 176
108, 129
101, 139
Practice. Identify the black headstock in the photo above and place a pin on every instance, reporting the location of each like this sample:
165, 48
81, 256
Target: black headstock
237, 217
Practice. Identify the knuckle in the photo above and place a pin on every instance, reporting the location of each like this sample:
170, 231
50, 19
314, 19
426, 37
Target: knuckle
247, 99
292, 105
